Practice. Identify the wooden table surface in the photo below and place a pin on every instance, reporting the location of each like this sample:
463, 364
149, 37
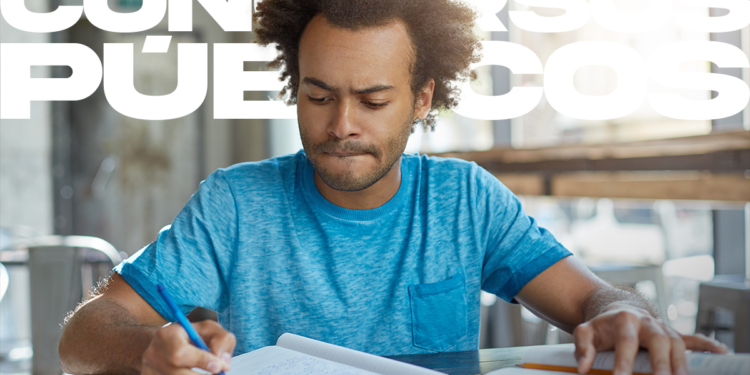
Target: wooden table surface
467, 363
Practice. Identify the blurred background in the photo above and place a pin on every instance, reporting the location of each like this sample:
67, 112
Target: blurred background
647, 201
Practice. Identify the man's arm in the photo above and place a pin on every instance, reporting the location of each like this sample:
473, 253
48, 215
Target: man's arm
602, 317
117, 331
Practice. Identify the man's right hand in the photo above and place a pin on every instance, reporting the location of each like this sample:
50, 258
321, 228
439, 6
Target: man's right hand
171, 351
119, 332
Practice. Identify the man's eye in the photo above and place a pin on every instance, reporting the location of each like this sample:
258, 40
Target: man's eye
318, 100
375, 105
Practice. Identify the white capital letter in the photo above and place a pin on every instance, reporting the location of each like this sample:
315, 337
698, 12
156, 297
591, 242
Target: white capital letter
733, 92
655, 16
230, 82
18, 89
192, 83
16, 14
150, 14
576, 15
489, 9
738, 17
519, 101
559, 88
180, 15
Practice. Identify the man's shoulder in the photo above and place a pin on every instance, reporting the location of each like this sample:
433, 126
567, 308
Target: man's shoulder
446, 167
447, 175
429, 161
261, 179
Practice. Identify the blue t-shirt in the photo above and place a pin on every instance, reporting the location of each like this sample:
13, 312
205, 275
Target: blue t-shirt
260, 245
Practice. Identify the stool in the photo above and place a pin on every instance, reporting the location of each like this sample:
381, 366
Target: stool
724, 309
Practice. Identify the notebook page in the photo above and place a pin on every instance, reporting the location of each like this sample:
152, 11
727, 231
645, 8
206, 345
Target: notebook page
350, 357
277, 360
723, 364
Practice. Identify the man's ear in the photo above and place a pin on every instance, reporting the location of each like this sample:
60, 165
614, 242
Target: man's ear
423, 101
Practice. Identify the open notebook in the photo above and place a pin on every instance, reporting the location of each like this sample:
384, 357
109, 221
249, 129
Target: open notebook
559, 359
294, 354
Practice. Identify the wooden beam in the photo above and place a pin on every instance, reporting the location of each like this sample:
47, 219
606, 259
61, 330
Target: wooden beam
653, 185
523, 183
698, 145
717, 162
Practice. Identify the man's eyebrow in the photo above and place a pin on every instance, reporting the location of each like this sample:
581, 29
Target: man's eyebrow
325, 86
319, 83
373, 89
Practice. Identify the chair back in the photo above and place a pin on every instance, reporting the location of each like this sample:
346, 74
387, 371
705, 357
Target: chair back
55, 274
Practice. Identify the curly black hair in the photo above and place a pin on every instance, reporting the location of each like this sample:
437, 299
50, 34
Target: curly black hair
441, 32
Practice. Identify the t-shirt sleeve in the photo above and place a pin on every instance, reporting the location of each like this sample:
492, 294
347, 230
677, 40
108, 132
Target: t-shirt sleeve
192, 257
517, 248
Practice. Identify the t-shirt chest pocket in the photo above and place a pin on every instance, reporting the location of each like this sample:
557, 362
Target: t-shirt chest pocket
438, 313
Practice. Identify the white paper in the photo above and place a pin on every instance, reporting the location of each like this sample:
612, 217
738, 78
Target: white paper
350, 357
718, 364
277, 360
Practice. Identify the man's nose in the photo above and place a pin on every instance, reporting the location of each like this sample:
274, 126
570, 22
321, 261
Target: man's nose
344, 124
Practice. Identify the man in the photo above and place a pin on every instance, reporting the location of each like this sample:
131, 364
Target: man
352, 242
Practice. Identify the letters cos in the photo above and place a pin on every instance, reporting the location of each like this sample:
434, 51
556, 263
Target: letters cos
17, 89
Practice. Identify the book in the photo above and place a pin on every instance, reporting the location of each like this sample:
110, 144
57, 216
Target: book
295, 354
560, 360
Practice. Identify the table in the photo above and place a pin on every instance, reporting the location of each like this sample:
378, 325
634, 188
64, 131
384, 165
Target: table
467, 363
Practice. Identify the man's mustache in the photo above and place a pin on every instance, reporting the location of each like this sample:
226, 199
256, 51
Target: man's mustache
333, 146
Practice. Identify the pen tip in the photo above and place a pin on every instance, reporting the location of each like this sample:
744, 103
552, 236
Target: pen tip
159, 287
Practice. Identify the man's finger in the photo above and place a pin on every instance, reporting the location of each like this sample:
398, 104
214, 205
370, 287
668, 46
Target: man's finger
585, 352
155, 362
165, 369
220, 341
679, 361
187, 356
703, 344
659, 348
626, 342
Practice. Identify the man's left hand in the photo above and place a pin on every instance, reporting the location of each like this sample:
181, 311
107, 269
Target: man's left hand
627, 329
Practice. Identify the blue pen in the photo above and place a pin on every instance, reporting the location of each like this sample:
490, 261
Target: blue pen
177, 314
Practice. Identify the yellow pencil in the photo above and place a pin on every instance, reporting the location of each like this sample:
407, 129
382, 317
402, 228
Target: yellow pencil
573, 370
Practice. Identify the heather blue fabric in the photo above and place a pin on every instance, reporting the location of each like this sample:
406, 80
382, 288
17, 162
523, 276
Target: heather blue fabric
261, 246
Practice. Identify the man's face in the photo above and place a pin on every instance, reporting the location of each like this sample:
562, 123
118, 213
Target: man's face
354, 102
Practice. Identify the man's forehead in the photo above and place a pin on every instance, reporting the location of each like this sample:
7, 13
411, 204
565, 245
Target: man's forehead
383, 52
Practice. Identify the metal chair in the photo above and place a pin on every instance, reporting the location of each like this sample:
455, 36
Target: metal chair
4, 281
55, 266
631, 275
724, 311
505, 325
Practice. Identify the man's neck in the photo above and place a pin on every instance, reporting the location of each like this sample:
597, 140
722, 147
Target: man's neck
372, 197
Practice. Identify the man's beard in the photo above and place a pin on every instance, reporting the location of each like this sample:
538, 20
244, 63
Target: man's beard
347, 181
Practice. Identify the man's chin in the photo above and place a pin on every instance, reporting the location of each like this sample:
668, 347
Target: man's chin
346, 182
350, 177
349, 172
